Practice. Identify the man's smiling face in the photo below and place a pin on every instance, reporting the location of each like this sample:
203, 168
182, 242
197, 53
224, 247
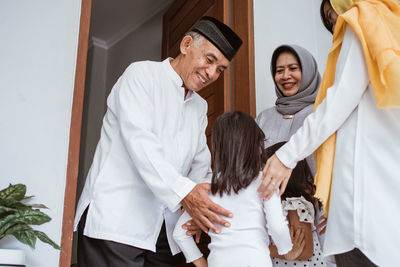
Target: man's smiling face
203, 63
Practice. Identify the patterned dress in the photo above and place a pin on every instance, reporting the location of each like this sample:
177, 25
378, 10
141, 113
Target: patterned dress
305, 211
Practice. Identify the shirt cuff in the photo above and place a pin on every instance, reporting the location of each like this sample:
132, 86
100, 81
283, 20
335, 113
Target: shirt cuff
183, 187
190, 250
286, 157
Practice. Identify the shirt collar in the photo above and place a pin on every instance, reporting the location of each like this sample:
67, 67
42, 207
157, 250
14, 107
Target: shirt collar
172, 73
177, 80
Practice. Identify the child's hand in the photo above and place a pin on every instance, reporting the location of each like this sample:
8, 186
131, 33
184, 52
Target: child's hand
322, 225
298, 244
201, 262
192, 229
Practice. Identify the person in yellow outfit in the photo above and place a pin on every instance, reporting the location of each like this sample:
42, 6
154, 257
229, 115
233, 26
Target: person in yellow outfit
355, 131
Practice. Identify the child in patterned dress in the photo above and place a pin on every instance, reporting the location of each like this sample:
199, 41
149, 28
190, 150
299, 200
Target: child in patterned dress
300, 207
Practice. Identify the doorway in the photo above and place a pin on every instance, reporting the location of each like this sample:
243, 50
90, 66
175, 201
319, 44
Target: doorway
123, 32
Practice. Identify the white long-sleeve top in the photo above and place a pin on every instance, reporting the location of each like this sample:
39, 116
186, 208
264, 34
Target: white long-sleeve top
245, 242
152, 151
365, 193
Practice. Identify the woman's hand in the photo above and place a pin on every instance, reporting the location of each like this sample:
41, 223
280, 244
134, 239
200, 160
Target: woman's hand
275, 174
298, 244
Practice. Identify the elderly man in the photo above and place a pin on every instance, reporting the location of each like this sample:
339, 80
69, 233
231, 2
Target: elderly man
152, 157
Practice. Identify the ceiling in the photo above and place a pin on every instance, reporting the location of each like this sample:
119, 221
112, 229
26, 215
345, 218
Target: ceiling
112, 20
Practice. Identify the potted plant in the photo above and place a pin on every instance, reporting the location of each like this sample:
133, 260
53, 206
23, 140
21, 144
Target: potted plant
16, 218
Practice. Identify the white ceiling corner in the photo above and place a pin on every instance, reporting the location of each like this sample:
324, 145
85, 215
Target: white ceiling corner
112, 22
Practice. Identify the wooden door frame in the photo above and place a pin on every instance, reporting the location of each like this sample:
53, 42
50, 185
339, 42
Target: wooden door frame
75, 136
243, 73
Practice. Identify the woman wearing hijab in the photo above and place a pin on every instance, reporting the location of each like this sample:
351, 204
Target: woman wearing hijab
296, 79
356, 128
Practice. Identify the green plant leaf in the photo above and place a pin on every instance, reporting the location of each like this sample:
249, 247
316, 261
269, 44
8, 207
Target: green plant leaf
28, 197
27, 237
27, 216
38, 206
44, 238
17, 228
12, 203
4, 211
16, 192
15, 217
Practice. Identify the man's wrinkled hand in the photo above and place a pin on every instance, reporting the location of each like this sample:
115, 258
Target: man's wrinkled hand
203, 211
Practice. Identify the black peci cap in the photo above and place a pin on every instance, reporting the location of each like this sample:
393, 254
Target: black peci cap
220, 35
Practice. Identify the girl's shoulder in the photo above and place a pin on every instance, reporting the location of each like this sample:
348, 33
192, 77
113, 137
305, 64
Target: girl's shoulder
253, 186
304, 208
249, 190
257, 181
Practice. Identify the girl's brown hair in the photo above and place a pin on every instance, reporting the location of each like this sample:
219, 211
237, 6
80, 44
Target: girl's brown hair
237, 152
301, 180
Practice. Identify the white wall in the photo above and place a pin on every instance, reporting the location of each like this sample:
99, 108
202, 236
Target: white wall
38, 52
285, 22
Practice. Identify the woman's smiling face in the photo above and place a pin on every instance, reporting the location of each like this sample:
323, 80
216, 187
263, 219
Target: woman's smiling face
288, 74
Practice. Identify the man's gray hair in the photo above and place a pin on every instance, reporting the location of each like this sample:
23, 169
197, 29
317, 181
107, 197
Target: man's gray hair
197, 38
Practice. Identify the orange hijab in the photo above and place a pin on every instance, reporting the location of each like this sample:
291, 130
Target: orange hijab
377, 26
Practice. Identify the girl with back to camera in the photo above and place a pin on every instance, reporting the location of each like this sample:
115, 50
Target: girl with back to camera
300, 207
237, 156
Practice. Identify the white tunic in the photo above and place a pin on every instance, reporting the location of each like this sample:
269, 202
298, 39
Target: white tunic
365, 194
245, 242
151, 153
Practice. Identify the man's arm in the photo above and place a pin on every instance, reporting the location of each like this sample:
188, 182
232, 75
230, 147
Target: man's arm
132, 101
200, 168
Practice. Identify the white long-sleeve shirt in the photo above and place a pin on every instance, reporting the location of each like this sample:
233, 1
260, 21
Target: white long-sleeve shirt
365, 191
245, 242
152, 151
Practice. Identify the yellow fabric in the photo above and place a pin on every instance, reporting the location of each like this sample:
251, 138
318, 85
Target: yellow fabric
341, 6
377, 26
